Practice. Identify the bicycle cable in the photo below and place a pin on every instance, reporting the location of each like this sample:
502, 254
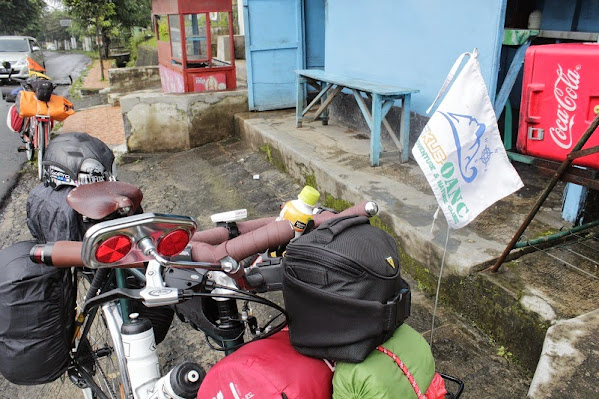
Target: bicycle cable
247, 296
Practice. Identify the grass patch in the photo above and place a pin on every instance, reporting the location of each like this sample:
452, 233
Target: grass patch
75, 89
140, 39
151, 42
91, 54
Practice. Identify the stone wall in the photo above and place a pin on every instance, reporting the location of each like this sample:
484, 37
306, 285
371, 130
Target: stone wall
146, 56
156, 122
223, 50
125, 80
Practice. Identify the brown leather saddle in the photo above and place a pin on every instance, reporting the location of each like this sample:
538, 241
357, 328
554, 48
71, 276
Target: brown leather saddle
99, 200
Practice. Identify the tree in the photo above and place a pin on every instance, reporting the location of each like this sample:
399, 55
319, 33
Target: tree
94, 13
111, 19
130, 13
51, 28
21, 17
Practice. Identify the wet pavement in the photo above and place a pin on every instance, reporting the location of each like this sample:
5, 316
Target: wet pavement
59, 66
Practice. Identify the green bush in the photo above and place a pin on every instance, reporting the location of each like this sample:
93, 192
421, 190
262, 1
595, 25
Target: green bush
134, 42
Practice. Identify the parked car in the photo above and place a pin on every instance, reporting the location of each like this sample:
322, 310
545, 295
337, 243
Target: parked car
15, 50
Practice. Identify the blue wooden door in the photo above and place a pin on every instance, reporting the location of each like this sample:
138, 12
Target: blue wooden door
274, 50
314, 27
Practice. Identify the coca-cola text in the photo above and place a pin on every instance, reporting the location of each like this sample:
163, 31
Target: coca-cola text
565, 92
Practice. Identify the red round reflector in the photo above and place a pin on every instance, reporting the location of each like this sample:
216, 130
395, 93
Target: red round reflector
113, 249
173, 243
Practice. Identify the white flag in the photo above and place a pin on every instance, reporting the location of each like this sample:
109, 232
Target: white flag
460, 150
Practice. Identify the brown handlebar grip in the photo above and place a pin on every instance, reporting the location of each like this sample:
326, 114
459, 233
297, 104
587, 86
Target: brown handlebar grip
251, 225
219, 235
212, 236
58, 254
269, 236
365, 208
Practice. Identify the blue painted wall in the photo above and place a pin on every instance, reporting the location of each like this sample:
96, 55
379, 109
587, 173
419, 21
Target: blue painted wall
412, 43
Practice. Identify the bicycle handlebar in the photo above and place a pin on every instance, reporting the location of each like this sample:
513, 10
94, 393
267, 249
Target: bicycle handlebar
218, 235
268, 236
58, 254
271, 235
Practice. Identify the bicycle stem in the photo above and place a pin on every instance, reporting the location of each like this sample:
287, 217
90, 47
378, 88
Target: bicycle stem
149, 249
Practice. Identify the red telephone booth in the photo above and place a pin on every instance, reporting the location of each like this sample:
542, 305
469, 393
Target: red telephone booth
184, 29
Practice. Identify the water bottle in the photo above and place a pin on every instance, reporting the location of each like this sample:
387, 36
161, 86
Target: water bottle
299, 211
140, 351
182, 382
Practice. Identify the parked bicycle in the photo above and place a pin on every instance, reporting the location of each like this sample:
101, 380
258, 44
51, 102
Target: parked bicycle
180, 265
35, 112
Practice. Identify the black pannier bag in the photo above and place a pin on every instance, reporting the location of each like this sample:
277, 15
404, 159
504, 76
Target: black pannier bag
50, 218
43, 90
343, 290
37, 313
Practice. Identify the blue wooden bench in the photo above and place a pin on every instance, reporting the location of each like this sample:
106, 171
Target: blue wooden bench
383, 96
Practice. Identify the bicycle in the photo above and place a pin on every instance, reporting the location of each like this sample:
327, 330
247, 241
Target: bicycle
174, 273
39, 118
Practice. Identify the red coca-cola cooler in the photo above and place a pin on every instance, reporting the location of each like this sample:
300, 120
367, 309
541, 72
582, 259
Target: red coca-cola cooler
560, 98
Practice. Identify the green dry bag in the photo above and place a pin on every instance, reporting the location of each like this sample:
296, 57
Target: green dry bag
379, 377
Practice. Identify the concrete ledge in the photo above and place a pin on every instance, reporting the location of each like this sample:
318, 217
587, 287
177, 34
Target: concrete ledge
570, 360
157, 122
223, 51
126, 80
515, 306
146, 56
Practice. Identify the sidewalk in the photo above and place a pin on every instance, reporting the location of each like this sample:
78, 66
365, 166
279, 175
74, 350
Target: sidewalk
92, 80
105, 121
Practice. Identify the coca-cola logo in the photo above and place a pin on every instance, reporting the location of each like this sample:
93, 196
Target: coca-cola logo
565, 92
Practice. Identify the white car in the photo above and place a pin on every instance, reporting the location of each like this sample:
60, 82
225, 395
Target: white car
15, 50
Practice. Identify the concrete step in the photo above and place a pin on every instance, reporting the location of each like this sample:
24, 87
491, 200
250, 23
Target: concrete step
515, 306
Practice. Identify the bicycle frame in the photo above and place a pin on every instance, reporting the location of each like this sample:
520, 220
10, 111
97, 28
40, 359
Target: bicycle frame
45, 122
114, 320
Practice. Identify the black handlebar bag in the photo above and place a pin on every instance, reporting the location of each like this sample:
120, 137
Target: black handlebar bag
343, 290
43, 90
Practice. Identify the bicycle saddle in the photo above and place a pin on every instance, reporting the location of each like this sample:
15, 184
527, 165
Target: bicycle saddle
99, 200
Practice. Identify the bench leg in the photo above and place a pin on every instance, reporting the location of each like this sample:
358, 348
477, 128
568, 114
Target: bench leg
375, 133
299, 107
404, 130
325, 115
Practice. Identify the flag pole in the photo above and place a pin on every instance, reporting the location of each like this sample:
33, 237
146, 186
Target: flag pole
439, 286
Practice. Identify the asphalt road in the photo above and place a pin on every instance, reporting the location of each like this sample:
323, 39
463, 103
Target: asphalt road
59, 66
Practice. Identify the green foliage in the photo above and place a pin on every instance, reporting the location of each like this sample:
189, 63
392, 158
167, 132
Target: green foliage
75, 89
163, 32
92, 12
130, 13
503, 352
21, 17
152, 42
51, 29
135, 41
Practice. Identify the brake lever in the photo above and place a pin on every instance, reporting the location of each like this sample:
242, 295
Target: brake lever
114, 294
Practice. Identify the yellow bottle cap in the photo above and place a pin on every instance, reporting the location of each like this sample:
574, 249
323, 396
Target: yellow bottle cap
309, 195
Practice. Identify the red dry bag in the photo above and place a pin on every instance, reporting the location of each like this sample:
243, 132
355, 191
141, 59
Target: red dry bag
14, 120
265, 369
